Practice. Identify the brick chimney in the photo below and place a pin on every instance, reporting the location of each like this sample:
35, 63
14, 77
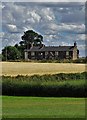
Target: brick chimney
75, 44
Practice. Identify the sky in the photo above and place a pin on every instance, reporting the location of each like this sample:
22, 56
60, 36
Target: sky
60, 23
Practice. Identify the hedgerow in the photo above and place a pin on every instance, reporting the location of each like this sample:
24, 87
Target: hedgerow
58, 85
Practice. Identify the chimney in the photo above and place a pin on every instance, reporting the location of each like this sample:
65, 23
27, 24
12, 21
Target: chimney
75, 44
43, 45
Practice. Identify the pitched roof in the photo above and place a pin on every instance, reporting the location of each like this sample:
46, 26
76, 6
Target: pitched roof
51, 48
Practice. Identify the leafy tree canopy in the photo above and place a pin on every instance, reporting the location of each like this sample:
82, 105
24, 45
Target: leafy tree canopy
30, 37
11, 53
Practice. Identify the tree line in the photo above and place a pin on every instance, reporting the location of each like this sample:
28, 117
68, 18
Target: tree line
17, 51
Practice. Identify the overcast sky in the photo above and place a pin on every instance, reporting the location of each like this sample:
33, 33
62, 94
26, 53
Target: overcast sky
59, 23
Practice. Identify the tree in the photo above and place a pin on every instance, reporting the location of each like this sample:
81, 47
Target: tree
21, 48
10, 53
31, 37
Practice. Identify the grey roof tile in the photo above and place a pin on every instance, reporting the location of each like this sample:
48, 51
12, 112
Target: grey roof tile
51, 48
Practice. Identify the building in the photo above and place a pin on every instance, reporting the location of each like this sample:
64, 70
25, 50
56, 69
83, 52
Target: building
43, 52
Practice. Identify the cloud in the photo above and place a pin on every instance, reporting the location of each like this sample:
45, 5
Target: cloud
35, 16
10, 39
74, 16
12, 28
54, 28
72, 28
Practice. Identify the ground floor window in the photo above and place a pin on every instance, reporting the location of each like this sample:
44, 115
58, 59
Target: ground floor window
32, 53
67, 53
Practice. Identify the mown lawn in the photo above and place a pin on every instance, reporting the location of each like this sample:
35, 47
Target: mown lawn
43, 107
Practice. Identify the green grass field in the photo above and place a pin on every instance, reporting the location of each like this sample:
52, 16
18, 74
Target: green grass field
43, 107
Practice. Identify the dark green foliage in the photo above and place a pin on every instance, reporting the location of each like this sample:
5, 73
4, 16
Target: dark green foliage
21, 48
80, 60
1, 56
10, 53
58, 85
30, 37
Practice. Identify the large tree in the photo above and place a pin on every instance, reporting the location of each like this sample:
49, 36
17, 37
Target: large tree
21, 48
11, 53
31, 37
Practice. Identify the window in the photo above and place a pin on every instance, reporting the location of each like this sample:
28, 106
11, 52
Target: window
46, 53
32, 53
56, 53
41, 53
67, 53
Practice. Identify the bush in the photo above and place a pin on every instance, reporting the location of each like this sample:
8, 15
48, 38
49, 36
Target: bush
80, 60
